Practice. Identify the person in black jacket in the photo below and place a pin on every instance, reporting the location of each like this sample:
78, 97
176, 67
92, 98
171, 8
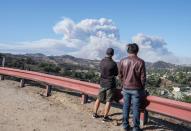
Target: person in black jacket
109, 71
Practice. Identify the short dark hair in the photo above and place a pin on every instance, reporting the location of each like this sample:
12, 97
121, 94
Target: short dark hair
110, 51
132, 48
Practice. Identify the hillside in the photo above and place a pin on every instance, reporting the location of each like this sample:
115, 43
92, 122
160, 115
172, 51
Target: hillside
79, 63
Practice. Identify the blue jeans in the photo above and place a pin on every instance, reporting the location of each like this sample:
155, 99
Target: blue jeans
132, 97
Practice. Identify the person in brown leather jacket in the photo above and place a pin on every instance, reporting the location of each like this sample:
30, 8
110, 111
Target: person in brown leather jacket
132, 74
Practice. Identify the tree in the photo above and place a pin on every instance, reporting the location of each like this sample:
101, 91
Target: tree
50, 68
153, 81
186, 99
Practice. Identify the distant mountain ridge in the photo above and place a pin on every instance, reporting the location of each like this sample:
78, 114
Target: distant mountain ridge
95, 63
85, 63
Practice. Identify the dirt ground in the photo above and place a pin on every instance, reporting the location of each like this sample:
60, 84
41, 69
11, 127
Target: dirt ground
23, 109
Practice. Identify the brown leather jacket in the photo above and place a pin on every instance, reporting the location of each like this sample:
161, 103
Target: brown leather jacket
132, 72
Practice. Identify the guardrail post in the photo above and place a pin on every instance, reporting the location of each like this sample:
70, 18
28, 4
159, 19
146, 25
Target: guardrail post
3, 65
48, 90
84, 98
2, 77
3, 62
143, 117
22, 83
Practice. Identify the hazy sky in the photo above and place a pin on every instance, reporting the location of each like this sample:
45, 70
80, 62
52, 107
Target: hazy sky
161, 27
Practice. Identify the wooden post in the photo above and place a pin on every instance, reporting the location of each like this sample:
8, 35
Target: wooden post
2, 77
3, 65
84, 98
143, 117
48, 90
22, 83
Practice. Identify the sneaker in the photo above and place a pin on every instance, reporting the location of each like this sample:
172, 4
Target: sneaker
137, 129
106, 119
126, 129
95, 115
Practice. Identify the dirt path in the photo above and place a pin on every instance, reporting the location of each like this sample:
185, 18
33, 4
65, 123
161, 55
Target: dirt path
23, 109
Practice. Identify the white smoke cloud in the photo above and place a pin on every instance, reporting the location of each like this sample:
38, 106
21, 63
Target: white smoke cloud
97, 47
153, 48
101, 28
90, 38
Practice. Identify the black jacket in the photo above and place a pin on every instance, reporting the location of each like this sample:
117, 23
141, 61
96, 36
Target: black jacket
109, 70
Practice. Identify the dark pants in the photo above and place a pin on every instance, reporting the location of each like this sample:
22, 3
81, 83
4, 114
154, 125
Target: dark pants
132, 97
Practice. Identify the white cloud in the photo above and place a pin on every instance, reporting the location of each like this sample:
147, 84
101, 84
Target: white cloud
90, 38
45, 46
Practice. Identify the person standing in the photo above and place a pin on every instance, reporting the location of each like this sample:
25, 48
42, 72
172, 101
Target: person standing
109, 70
132, 74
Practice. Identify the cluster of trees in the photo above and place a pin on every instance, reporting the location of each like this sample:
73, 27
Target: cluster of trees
19, 63
186, 99
160, 82
181, 78
153, 81
49, 67
90, 75
67, 70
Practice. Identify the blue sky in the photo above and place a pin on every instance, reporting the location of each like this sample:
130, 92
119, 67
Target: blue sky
31, 20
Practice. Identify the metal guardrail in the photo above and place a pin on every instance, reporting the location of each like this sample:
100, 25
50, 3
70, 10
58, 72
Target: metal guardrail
81, 86
172, 108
